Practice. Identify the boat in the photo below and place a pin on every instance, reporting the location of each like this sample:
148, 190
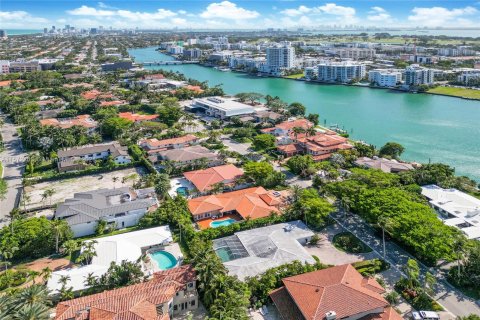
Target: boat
224, 69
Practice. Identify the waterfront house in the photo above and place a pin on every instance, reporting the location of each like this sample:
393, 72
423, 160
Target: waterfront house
77, 158
339, 292
169, 293
455, 208
205, 179
386, 165
120, 208
84, 120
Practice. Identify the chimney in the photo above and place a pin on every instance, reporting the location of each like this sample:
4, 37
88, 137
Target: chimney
331, 315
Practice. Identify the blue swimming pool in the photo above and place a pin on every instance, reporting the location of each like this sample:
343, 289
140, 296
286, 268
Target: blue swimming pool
183, 191
164, 260
222, 223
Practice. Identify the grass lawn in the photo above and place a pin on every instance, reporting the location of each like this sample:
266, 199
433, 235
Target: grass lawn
346, 241
295, 76
457, 92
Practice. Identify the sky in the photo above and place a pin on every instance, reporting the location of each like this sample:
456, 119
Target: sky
231, 14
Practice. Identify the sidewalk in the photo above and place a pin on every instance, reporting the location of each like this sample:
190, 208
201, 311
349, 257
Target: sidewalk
449, 297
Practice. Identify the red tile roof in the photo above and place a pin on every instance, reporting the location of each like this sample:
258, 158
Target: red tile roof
288, 125
137, 117
112, 103
251, 202
205, 179
135, 302
83, 120
94, 94
341, 289
158, 144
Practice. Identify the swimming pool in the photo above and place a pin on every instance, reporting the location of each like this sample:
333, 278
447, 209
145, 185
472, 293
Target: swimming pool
222, 223
183, 191
225, 254
164, 260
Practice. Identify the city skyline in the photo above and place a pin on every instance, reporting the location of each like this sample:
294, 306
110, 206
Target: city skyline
238, 14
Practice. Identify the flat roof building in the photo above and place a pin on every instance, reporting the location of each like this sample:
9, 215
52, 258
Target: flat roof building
222, 108
455, 208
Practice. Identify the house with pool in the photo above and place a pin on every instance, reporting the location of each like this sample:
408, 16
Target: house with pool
154, 247
223, 209
252, 252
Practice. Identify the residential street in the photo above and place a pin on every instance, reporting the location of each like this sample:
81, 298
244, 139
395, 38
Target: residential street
453, 300
13, 159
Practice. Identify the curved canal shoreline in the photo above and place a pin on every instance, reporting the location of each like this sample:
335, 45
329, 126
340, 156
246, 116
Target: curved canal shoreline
431, 127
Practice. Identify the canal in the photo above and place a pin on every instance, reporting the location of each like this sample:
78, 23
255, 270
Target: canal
431, 128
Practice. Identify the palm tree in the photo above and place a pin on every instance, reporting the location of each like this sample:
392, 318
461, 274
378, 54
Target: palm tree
90, 280
7, 254
88, 252
311, 131
70, 246
33, 294
384, 223
64, 280
60, 228
25, 200
34, 311
48, 194
459, 247
46, 274
296, 131
32, 275
13, 215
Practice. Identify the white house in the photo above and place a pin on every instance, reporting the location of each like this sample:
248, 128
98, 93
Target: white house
222, 108
385, 78
120, 208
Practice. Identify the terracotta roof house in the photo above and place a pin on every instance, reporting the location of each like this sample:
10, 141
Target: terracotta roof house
135, 117
339, 292
255, 202
386, 165
285, 128
95, 94
75, 158
186, 156
112, 103
203, 180
165, 144
169, 293
83, 120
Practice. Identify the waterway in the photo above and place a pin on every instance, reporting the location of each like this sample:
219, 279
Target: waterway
431, 128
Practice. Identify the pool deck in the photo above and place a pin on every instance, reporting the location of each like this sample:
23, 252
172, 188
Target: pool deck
205, 224
172, 248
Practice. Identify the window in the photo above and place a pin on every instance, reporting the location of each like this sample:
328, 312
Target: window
190, 284
175, 308
192, 303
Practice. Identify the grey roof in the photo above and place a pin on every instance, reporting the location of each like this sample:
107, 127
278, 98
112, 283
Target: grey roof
386, 165
115, 150
187, 154
93, 205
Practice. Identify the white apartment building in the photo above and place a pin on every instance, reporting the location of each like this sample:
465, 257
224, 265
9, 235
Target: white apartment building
4, 66
385, 78
355, 53
416, 75
247, 63
175, 50
311, 73
467, 76
222, 108
280, 58
340, 71
193, 54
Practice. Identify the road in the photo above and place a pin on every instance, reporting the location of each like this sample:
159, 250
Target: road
292, 179
12, 158
450, 298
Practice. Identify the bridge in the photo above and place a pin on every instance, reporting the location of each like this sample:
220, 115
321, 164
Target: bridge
166, 63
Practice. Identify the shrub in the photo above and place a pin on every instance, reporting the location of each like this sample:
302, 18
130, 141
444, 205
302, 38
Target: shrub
347, 242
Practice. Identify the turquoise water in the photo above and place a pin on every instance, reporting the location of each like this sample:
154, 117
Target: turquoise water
13, 32
432, 128
164, 260
183, 191
222, 223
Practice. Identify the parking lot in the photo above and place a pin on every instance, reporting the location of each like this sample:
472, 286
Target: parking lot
65, 188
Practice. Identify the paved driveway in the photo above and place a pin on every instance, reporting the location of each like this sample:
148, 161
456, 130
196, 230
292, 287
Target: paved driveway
13, 160
242, 148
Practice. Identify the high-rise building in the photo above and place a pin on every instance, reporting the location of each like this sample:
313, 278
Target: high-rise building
3, 34
416, 75
340, 71
45, 30
280, 58
4, 66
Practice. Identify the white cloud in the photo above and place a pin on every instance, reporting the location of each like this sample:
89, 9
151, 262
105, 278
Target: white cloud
90, 11
18, 19
440, 16
333, 9
297, 12
378, 14
227, 10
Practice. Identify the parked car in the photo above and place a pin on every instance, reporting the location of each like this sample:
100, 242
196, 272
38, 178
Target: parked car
425, 315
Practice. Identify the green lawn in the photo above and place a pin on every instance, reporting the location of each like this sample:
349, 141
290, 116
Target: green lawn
346, 241
457, 92
295, 76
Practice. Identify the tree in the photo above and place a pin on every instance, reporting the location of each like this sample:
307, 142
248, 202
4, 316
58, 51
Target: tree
60, 229
314, 118
7, 254
162, 185
296, 109
169, 112
70, 246
301, 165
249, 96
391, 149
3, 188
88, 252
263, 141
115, 127
34, 311
263, 174
364, 150
384, 223
101, 227
412, 272
46, 274
297, 130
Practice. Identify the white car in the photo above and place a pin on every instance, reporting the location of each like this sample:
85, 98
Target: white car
425, 315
